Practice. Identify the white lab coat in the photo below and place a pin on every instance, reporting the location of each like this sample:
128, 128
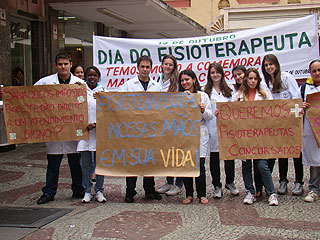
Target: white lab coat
204, 133
290, 88
310, 149
134, 85
212, 124
90, 145
164, 85
59, 147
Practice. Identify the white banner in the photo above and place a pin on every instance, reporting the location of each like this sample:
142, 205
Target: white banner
295, 43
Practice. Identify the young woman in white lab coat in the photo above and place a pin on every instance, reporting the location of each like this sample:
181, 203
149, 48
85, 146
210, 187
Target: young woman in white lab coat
218, 91
282, 85
169, 83
188, 81
310, 149
250, 90
87, 148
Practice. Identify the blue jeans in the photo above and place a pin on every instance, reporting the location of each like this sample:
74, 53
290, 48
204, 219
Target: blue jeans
314, 182
52, 176
179, 181
87, 158
263, 168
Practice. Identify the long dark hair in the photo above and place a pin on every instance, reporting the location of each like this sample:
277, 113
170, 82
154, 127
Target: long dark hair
238, 68
73, 68
225, 89
174, 74
190, 73
245, 88
277, 85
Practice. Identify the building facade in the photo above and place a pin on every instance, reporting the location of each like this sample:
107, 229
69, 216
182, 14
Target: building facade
32, 32
235, 15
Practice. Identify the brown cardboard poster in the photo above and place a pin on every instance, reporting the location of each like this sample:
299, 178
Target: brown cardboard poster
148, 134
46, 113
313, 114
260, 129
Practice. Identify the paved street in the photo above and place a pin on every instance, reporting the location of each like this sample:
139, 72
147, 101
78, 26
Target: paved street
22, 175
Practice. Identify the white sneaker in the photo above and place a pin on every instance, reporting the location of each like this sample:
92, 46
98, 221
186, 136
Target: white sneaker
217, 193
87, 197
100, 198
249, 198
232, 188
174, 191
311, 197
273, 200
164, 188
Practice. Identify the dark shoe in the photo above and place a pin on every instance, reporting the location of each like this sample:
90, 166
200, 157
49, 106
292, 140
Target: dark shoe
129, 199
77, 194
155, 196
45, 198
283, 189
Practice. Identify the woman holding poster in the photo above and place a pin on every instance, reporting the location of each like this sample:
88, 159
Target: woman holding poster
218, 91
169, 83
87, 148
310, 149
283, 86
188, 81
251, 91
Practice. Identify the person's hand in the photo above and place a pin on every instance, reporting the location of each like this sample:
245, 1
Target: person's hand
91, 126
187, 92
305, 105
79, 83
202, 107
95, 95
216, 112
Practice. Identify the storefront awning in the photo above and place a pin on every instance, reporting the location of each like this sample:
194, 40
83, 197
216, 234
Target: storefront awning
140, 18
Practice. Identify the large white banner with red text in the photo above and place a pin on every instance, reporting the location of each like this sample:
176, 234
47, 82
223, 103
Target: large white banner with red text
295, 43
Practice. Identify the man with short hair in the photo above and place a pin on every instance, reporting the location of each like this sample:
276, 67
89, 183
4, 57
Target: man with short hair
141, 83
56, 150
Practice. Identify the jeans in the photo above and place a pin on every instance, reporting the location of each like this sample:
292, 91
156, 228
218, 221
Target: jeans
52, 176
257, 175
263, 168
314, 182
148, 185
179, 181
200, 182
87, 158
215, 170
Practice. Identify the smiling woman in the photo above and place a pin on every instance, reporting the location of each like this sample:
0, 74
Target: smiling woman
282, 86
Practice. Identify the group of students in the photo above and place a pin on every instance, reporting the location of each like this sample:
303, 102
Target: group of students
248, 86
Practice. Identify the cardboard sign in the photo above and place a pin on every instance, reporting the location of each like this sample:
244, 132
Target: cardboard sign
313, 114
260, 129
148, 134
46, 113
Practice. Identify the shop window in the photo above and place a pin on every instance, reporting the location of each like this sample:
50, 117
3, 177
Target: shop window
21, 51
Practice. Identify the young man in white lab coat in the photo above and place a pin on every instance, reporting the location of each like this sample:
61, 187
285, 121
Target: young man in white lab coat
56, 150
141, 83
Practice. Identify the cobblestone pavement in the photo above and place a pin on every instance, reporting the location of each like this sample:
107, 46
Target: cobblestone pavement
22, 175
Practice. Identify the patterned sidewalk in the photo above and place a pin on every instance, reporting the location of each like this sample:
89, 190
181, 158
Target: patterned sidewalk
22, 175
